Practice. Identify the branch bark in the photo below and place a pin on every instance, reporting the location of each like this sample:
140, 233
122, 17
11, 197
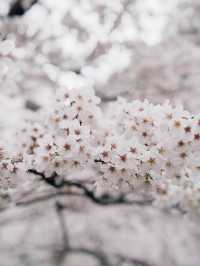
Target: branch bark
106, 199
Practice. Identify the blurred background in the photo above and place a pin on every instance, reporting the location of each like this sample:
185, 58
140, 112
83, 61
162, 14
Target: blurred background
131, 48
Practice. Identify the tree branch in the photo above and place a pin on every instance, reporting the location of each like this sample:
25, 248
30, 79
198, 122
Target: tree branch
18, 8
106, 199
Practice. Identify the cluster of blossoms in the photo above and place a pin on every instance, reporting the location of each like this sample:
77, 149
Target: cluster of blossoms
66, 140
151, 142
138, 143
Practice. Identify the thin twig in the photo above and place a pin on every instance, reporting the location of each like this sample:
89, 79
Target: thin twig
65, 236
45, 197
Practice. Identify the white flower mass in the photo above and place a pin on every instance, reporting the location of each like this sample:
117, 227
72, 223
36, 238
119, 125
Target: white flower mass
98, 86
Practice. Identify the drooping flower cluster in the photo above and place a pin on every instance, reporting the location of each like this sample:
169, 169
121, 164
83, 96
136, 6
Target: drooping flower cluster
137, 143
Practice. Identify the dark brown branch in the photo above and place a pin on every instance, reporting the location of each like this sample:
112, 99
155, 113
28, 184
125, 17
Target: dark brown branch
18, 8
106, 199
99, 161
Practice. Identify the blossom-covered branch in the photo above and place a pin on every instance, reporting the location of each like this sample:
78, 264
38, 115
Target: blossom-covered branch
138, 143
